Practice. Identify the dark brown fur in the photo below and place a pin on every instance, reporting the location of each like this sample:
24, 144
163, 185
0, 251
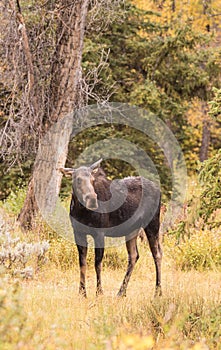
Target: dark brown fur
140, 208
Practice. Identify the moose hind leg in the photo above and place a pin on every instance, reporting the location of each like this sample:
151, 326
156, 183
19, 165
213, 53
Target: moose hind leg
156, 250
133, 256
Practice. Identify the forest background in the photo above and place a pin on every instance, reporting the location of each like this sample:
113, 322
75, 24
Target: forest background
163, 57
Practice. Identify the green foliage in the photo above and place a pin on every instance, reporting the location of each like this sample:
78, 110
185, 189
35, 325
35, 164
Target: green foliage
215, 105
155, 67
117, 168
14, 178
160, 68
201, 251
195, 241
210, 198
15, 200
203, 210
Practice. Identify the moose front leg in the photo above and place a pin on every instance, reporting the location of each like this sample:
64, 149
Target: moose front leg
82, 251
99, 253
133, 256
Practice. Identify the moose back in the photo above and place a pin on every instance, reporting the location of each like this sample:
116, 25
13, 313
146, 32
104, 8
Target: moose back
100, 207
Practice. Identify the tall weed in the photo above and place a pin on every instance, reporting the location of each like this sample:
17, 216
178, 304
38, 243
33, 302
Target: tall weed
202, 251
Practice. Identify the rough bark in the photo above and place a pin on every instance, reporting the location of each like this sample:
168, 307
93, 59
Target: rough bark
66, 69
205, 140
66, 72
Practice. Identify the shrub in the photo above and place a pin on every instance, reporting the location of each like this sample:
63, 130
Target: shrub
12, 318
177, 321
15, 200
210, 174
202, 251
19, 258
65, 255
203, 208
115, 257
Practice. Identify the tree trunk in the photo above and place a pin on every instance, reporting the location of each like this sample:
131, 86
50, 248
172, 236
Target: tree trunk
205, 140
205, 134
44, 186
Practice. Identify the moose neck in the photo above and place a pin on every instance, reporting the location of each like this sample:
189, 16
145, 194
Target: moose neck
102, 186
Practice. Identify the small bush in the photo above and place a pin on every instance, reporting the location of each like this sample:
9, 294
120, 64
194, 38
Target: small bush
115, 258
19, 258
14, 202
12, 319
172, 322
175, 321
65, 255
210, 196
202, 251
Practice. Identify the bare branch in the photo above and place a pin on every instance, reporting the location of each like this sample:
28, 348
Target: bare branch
18, 5
28, 56
104, 12
90, 81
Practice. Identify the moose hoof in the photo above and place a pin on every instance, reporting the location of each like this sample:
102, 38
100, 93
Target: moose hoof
158, 292
121, 294
99, 292
83, 293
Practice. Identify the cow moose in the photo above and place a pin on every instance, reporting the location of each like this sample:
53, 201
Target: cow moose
101, 207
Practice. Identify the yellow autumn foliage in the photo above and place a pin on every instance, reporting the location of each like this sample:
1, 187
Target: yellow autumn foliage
201, 13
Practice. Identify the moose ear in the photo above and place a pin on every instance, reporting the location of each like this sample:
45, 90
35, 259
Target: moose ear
96, 165
66, 171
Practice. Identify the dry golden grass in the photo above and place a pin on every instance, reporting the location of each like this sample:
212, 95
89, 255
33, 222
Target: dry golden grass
58, 318
47, 313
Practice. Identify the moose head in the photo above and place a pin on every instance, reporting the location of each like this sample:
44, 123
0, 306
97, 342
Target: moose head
83, 179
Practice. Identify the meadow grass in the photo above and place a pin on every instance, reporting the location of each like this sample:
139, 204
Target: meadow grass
46, 312
187, 316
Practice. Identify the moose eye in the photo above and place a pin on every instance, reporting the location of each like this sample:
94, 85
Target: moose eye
79, 180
